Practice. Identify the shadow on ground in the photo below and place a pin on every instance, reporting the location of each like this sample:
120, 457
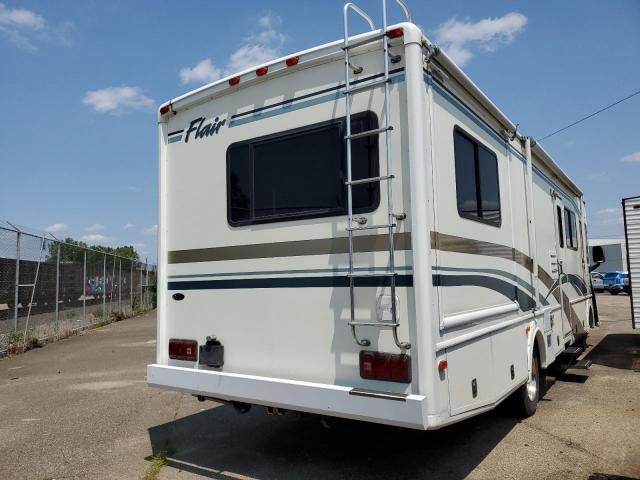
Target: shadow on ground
220, 443
617, 350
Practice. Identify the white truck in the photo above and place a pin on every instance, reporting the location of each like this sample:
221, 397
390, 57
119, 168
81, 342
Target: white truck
356, 230
631, 215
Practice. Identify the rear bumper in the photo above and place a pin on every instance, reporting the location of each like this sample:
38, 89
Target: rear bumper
323, 399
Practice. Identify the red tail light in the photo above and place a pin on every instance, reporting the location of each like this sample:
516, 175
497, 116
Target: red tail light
443, 365
395, 32
234, 81
388, 367
291, 61
262, 71
183, 350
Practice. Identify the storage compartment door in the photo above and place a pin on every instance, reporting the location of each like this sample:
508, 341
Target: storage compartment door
469, 369
509, 359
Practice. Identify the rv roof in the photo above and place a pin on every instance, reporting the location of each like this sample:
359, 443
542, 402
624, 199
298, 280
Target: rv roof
328, 51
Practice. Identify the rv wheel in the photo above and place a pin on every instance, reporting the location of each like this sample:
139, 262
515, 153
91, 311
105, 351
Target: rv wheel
530, 391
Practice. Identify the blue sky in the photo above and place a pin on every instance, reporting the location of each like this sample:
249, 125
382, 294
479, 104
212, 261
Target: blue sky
81, 81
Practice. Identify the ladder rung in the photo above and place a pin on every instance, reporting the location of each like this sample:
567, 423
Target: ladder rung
27, 285
370, 180
365, 86
368, 133
359, 43
374, 324
371, 274
371, 227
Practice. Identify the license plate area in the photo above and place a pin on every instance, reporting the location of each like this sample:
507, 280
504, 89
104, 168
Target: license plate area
212, 354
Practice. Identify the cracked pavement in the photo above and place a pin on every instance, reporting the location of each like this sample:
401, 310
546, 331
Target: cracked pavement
80, 409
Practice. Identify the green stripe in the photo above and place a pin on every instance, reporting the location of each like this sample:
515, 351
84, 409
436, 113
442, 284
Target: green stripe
289, 272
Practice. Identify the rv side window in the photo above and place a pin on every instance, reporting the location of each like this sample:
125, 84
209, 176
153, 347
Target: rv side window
301, 173
570, 226
581, 235
560, 230
477, 186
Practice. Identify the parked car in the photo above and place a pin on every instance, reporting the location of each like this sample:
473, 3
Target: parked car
597, 280
616, 282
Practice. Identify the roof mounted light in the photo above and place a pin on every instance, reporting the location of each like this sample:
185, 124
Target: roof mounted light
234, 81
164, 109
262, 71
291, 61
395, 32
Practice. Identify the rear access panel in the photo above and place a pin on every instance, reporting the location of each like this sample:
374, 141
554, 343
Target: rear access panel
469, 372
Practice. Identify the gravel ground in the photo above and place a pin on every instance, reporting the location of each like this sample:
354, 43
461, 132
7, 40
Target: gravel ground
80, 408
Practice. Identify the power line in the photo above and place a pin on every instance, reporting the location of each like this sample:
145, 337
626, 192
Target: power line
590, 115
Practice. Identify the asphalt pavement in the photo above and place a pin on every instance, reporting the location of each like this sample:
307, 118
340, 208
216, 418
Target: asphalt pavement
80, 409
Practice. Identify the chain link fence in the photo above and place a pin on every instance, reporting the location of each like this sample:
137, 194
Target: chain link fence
51, 289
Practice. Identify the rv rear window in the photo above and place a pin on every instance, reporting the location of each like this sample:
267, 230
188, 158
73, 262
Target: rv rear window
477, 186
301, 173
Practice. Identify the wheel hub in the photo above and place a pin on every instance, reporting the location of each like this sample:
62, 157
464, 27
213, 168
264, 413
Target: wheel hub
532, 384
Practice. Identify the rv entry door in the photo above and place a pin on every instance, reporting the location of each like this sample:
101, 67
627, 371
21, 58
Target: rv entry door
557, 264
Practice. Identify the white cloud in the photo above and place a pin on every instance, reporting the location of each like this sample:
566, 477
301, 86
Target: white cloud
57, 227
608, 216
96, 238
254, 50
460, 38
608, 211
95, 227
114, 98
632, 157
151, 230
26, 29
129, 226
203, 72
269, 21
20, 18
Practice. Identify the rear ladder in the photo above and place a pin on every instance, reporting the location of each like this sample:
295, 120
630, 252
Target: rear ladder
387, 128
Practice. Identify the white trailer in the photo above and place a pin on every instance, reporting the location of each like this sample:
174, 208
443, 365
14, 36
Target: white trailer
631, 215
356, 230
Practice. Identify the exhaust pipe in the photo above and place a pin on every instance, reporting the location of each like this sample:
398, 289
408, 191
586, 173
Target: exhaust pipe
241, 407
276, 411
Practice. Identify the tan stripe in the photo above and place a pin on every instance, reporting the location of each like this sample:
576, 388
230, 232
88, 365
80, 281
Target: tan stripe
452, 243
322, 246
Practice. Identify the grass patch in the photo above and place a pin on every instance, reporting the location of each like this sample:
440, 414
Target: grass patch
19, 344
118, 315
36, 338
156, 462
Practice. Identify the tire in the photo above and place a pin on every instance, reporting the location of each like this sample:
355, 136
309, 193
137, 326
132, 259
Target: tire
530, 391
614, 292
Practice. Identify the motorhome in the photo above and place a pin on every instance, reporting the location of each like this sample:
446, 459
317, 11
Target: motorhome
356, 230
